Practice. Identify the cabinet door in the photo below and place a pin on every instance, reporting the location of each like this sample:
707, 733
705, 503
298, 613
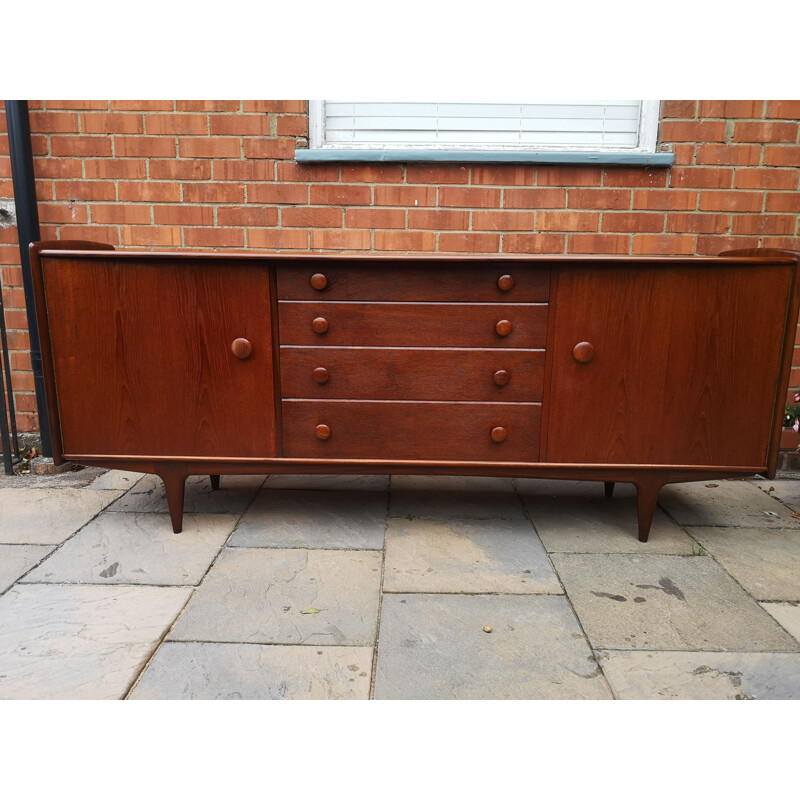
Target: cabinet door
143, 362
685, 366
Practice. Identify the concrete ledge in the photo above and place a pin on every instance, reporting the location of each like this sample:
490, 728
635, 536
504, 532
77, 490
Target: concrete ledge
45, 466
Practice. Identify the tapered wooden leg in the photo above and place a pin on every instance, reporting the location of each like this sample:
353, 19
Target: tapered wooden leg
609, 487
174, 478
214, 482
647, 490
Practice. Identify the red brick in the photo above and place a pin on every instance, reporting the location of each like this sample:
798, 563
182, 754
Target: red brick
765, 132
728, 109
243, 170
781, 242
678, 108
733, 154
111, 123
692, 131
44, 189
268, 148
504, 175
783, 109
78, 105
279, 193
214, 237
782, 155
64, 212
374, 218
58, 167
11, 276
24, 381
632, 222
85, 190
731, 201
636, 176
211, 147
598, 243
142, 105
408, 241
149, 192
240, 125
181, 169
121, 214
534, 198
94, 233
340, 240
698, 223
783, 201
534, 243
292, 125
570, 176
54, 122
411, 196
701, 178
616, 199
761, 224
176, 125
48, 233
341, 194
25, 402
502, 220
714, 245
213, 192
683, 154
150, 236
277, 239
567, 221
21, 361
16, 320
9, 235
469, 243
208, 105
40, 145
248, 216
116, 168
80, 146
438, 219
183, 215
152, 146
291, 172
664, 199
311, 217
663, 244
766, 178
278, 106
18, 340
372, 173
27, 423
469, 197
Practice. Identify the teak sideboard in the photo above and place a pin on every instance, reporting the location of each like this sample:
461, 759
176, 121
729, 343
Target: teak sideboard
647, 370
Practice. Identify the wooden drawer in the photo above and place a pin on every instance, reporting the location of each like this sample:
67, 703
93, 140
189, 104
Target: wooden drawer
414, 281
495, 375
411, 430
411, 324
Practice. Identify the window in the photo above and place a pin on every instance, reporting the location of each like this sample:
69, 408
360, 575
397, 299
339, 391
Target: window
609, 131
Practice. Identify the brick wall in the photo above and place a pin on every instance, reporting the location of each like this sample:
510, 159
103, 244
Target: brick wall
220, 174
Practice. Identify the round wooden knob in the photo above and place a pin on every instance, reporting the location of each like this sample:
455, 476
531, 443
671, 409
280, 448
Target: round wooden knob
503, 327
241, 348
319, 281
320, 324
501, 377
323, 432
320, 375
505, 282
499, 434
583, 352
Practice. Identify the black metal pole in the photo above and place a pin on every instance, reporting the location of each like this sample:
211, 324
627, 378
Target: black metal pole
19, 142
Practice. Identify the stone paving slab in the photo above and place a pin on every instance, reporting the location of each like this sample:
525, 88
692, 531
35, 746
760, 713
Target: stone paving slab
485, 556
787, 491
665, 603
138, 549
721, 503
436, 496
286, 597
787, 614
314, 519
434, 647
234, 495
360, 483
80, 642
765, 561
576, 517
17, 559
117, 479
702, 676
211, 671
48, 516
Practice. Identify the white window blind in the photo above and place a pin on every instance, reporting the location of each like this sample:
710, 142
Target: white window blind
616, 125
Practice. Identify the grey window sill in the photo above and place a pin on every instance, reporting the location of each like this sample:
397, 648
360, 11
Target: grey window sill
488, 156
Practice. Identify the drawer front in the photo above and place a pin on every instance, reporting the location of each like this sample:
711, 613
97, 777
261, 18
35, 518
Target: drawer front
411, 431
414, 281
494, 375
412, 324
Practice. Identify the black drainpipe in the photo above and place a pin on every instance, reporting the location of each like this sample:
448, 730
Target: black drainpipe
19, 141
